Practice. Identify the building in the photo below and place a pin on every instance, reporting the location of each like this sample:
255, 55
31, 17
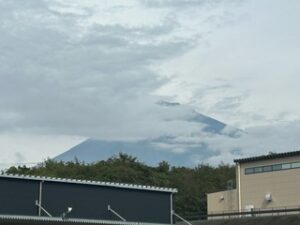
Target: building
53, 199
263, 182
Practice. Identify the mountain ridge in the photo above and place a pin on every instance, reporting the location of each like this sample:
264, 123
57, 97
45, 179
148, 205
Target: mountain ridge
152, 151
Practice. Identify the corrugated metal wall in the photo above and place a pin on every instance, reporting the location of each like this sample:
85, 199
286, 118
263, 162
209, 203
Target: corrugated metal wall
17, 197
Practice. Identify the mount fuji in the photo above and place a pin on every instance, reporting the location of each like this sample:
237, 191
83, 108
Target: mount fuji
177, 151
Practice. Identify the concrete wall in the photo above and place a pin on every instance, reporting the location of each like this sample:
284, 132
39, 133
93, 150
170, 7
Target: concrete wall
222, 201
284, 185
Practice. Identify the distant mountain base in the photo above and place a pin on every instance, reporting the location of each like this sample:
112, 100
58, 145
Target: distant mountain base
149, 152
176, 152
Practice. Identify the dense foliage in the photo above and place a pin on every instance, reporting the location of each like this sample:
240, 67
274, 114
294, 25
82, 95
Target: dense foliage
192, 183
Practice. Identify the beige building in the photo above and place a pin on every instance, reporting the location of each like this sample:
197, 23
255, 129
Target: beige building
263, 182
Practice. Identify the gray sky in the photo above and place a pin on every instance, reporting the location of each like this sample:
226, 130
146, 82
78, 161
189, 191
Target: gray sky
72, 69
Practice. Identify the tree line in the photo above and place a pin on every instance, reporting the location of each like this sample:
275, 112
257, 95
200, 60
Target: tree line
192, 183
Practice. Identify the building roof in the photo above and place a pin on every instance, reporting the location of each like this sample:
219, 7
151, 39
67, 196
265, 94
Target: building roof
36, 220
269, 156
90, 182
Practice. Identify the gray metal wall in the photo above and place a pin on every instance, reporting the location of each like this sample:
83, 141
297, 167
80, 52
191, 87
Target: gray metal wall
17, 196
87, 201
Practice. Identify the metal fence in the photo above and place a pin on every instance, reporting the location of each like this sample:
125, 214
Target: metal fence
256, 212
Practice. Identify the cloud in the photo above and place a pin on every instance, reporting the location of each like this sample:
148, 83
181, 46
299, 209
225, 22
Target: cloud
56, 81
174, 3
216, 148
253, 60
67, 73
29, 149
87, 69
19, 157
255, 141
186, 3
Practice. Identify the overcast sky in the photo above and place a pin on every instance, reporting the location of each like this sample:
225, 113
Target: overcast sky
74, 69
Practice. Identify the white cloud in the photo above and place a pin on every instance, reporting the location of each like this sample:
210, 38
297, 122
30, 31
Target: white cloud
27, 148
76, 75
255, 141
250, 67
90, 69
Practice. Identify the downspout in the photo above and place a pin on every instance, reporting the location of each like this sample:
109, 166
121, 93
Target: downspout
171, 208
40, 197
239, 186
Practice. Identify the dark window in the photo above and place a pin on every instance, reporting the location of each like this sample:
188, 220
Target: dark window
258, 170
270, 168
267, 168
249, 171
277, 167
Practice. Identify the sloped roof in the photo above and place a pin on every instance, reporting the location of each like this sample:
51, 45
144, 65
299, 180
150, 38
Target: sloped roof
269, 156
90, 182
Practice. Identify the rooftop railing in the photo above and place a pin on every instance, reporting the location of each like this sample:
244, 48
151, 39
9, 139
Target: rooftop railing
256, 212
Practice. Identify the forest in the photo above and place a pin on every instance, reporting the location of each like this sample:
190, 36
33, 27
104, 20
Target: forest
192, 183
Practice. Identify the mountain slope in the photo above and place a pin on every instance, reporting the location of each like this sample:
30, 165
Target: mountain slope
146, 151
183, 150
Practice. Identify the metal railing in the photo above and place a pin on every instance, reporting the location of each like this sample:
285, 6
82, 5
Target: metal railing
115, 213
41, 208
181, 218
256, 212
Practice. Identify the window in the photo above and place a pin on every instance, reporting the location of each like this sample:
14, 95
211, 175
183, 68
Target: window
258, 169
277, 167
267, 168
286, 166
296, 165
270, 168
249, 171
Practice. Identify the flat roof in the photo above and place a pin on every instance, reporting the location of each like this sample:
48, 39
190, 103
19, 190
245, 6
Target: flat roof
269, 156
90, 182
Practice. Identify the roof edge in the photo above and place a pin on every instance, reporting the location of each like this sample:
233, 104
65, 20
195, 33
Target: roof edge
51, 220
90, 182
267, 157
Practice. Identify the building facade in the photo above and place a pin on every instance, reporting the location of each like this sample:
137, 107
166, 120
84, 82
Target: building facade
222, 201
263, 182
